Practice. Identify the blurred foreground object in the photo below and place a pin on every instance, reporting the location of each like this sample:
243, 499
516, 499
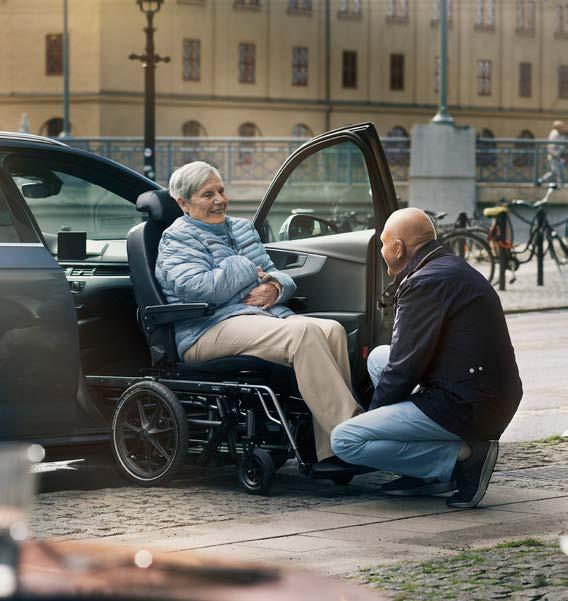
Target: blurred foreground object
71, 569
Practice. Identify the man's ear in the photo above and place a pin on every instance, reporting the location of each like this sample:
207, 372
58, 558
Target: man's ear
400, 249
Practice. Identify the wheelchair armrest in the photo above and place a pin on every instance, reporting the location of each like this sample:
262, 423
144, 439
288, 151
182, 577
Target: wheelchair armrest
298, 303
159, 315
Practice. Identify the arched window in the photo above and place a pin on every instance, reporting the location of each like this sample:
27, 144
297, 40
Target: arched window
485, 148
246, 149
397, 151
248, 130
193, 129
523, 152
52, 127
301, 130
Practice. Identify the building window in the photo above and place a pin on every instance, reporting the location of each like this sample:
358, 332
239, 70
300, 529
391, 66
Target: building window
300, 130
526, 16
349, 8
484, 78
247, 53
525, 80
299, 66
397, 71
485, 14
397, 10
191, 60
561, 28
54, 54
436, 11
524, 152
52, 128
300, 6
349, 69
192, 129
563, 81
246, 3
246, 149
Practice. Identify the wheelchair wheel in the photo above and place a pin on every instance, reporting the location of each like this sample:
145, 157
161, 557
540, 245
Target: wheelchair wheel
149, 433
256, 471
343, 479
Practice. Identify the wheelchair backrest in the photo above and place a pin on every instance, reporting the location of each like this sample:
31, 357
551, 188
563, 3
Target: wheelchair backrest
142, 248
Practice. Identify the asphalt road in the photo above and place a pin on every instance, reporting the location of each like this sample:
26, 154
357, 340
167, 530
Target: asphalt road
541, 347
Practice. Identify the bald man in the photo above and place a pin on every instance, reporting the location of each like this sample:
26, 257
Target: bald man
448, 385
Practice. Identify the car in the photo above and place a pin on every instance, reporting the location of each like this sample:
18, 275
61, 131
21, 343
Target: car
68, 316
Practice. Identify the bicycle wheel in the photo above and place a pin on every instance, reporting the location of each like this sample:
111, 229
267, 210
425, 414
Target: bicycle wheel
473, 249
557, 249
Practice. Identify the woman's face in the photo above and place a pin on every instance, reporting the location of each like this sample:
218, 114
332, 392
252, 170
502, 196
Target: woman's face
209, 203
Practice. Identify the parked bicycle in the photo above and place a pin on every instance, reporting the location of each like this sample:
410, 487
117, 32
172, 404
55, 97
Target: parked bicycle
543, 237
467, 238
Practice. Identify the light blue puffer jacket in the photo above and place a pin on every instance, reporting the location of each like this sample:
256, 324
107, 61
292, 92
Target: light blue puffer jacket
195, 266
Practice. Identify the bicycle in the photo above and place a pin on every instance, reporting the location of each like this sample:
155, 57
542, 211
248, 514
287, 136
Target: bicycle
467, 238
541, 231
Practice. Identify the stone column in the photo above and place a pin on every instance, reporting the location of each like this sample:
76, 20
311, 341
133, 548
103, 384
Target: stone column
442, 169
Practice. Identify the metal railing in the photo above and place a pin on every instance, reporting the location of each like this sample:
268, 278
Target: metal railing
256, 160
513, 160
242, 160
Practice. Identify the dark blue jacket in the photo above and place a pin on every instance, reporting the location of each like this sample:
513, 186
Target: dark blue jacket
450, 337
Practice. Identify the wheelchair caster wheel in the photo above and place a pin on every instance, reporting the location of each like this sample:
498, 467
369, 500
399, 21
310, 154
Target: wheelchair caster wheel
149, 433
256, 471
343, 479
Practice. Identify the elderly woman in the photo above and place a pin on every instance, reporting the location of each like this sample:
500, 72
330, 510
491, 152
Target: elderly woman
206, 256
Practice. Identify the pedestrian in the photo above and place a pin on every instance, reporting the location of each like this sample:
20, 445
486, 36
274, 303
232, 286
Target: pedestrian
555, 156
448, 385
207, 256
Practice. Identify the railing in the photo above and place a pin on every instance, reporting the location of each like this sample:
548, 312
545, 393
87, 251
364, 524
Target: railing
243, 160
513, 160
256, 160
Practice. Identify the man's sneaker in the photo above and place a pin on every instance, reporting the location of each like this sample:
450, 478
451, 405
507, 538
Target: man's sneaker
473, 475
407, 486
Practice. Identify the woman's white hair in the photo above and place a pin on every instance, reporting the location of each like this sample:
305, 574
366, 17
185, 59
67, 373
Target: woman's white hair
186, 181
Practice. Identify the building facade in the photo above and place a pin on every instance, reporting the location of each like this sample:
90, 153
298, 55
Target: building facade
286, 67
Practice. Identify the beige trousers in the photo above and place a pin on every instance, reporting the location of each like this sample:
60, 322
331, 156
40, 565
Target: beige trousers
316, 348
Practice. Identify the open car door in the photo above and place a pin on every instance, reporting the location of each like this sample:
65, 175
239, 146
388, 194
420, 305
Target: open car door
320, 221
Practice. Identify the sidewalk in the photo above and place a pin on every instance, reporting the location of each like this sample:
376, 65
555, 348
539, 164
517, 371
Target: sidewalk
344, 530
525, 295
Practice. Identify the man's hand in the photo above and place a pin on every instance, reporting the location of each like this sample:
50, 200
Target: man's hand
263, 296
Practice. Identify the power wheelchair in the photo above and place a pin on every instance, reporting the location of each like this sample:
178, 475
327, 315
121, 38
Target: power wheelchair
239, 409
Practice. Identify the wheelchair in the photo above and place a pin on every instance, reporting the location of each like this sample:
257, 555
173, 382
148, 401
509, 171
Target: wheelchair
240, 410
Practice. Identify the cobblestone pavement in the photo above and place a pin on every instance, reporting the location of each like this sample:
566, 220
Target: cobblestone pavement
527, 570
112, 507
524, 294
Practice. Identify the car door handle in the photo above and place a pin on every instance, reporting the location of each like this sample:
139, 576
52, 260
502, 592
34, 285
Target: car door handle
295, 261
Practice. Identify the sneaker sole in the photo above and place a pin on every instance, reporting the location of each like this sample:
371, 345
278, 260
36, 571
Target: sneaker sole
435, 488
486, 473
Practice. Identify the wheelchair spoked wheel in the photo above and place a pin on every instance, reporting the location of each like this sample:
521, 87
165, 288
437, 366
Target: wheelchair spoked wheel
256, 471
149, 433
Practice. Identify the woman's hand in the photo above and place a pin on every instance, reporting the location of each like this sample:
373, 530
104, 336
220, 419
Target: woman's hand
263, 296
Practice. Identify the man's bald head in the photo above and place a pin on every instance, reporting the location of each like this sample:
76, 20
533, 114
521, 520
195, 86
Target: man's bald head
405, 231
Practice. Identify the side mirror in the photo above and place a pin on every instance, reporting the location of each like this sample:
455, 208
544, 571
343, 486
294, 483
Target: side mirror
299, 227
41, 190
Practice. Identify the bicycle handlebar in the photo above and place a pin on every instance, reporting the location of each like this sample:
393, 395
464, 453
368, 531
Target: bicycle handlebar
538, 203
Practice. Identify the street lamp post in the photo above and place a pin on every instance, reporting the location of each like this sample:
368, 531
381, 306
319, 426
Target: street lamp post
149, 61
442, 115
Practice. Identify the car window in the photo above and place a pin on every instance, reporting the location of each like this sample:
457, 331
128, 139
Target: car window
63, 199
7, 229
327, 193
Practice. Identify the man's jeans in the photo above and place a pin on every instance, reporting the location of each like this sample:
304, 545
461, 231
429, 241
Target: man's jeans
396, 438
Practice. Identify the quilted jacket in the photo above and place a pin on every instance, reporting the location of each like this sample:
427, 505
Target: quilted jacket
195, 266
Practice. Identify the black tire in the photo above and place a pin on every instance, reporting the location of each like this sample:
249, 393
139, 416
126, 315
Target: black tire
256, 471
149, 433
474, 249
343, 479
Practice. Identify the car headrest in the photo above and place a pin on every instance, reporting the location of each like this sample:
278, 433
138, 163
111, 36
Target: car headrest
159, 205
